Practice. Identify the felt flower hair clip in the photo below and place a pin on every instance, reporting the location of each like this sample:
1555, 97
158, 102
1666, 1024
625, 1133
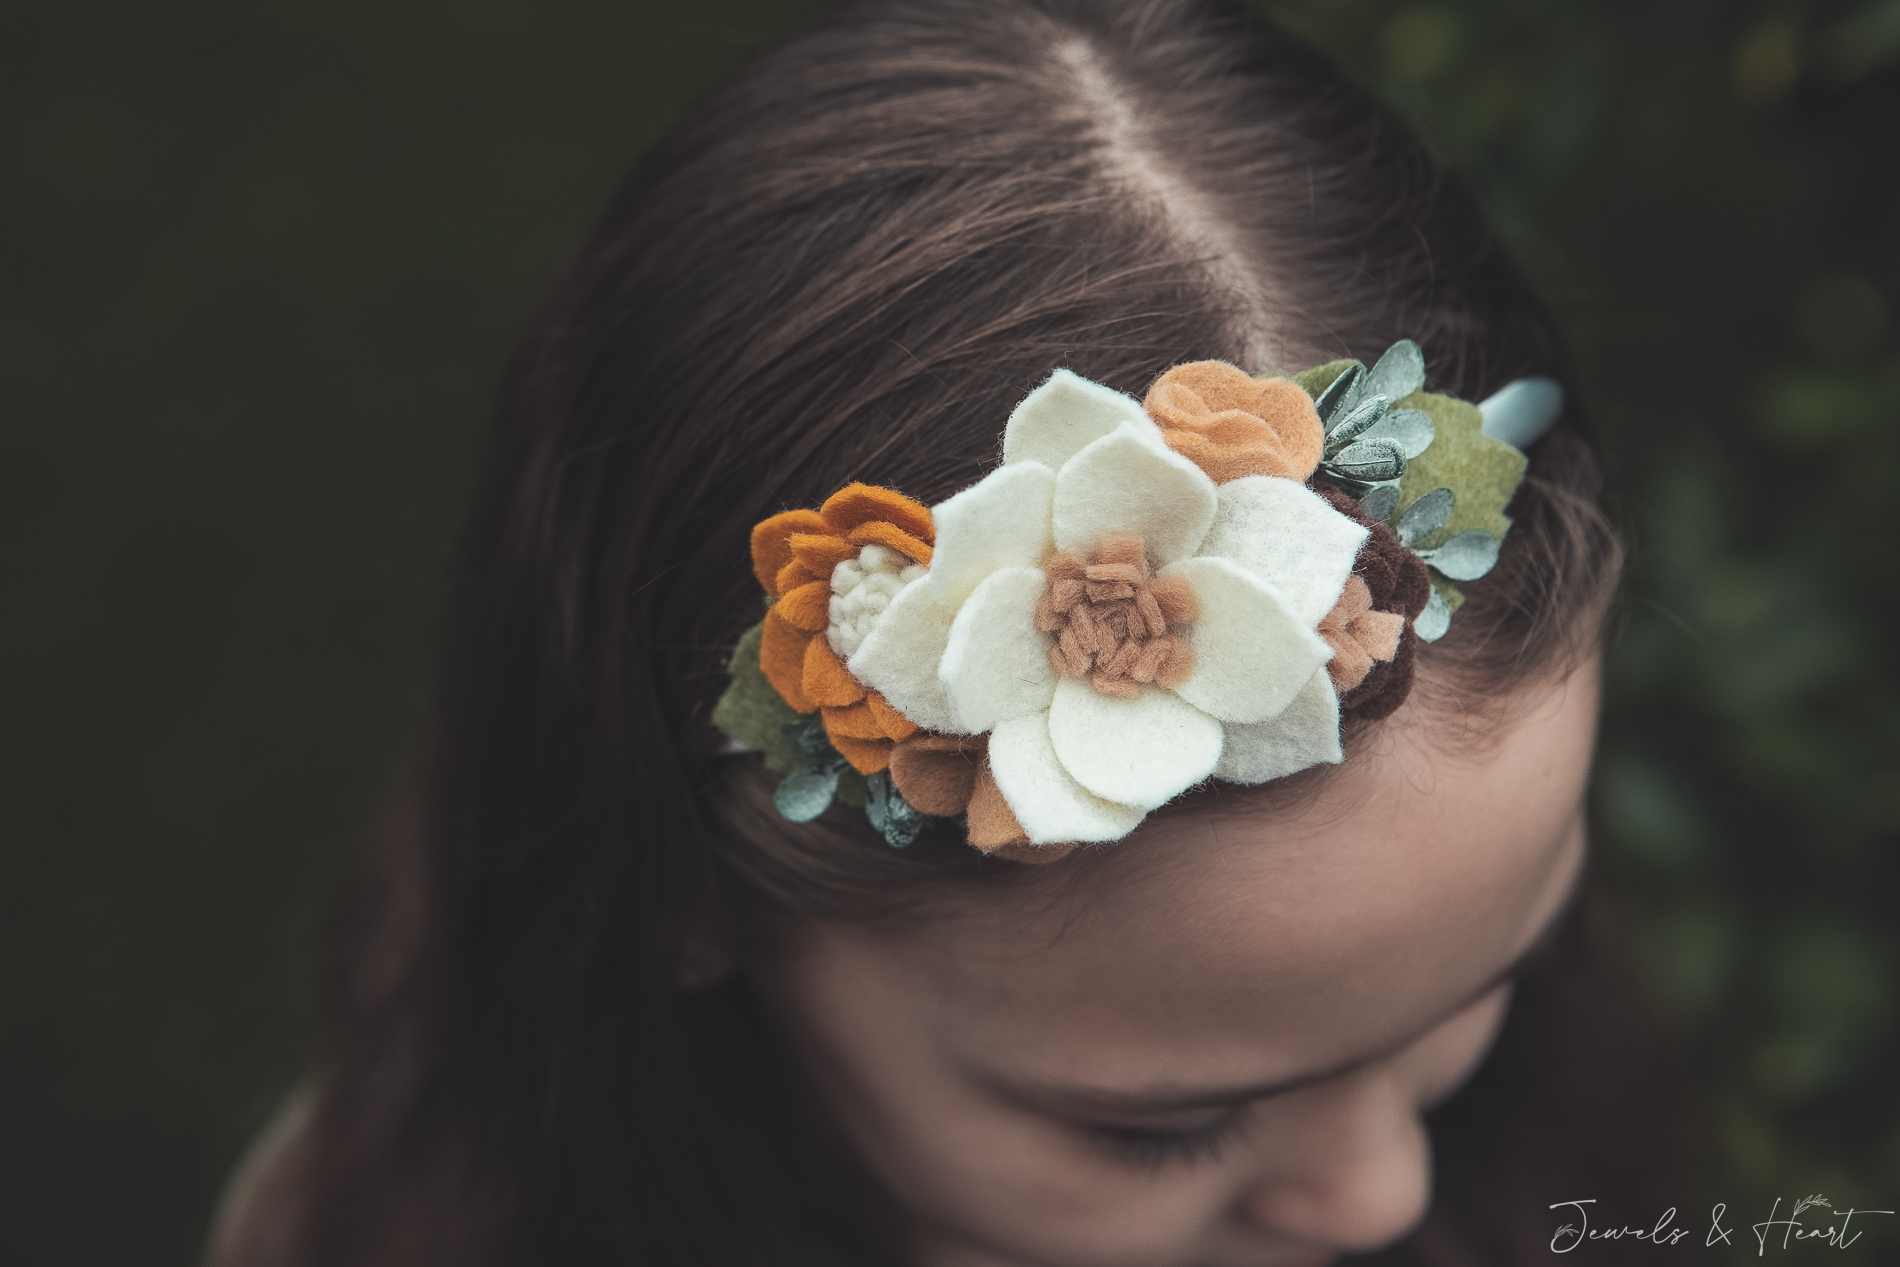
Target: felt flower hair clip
1143, 596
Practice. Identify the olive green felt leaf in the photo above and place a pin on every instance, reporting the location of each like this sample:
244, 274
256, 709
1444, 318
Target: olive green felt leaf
1483, 472
756, 715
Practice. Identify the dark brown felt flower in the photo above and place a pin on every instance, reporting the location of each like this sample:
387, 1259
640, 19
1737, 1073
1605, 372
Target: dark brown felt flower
1399, 583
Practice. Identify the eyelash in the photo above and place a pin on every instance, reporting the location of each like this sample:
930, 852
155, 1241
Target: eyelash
1152, 1150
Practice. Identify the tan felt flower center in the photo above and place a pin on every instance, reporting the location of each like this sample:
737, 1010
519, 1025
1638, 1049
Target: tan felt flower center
1115, 622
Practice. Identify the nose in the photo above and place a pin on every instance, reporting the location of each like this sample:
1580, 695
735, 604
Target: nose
1349, 1169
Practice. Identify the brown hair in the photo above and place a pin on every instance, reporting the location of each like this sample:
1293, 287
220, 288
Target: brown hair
849, 263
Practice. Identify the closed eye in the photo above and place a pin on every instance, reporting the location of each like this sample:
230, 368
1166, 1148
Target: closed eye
1145, 1149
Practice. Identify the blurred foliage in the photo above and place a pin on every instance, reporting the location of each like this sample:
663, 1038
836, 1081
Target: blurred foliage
261, 265
1709, 193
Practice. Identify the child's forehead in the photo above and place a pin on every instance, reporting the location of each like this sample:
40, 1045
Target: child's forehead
1404, 878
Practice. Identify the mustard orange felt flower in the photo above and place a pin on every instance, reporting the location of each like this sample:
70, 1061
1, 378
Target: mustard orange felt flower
829, 571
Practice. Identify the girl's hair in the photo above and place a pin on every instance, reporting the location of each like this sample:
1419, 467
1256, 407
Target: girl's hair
850, 263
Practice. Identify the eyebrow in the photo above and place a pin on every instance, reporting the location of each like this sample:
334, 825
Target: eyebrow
1168, 1099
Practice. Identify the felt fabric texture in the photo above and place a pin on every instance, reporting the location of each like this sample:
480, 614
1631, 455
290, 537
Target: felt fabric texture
782, 658
1289, 537
861, 588
995, 665
1482, 472
794, 555
1358, 635
857, 504
1232, 425
1062, 417
893, 538
899, 657
1128, 483
1251, 652
1142, 751
1315, 381
1114, 622
991, 824
893, 723
1052, 807
827, 682
1398, 583
1001, 521
1305, 733
772, 543
752, 711
937, 773
867, 756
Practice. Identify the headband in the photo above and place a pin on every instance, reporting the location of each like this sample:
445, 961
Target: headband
1143, 596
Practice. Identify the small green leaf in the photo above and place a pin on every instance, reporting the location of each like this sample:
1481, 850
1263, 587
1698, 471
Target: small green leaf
890, 813
1370, 461
1363, 416
1426, 515
1466, 557
1399, 373
1434, 620
1412, 428
1379, 503
1342, 388
806, 792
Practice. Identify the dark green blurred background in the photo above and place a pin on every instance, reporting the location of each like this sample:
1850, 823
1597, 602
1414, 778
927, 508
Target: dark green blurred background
261, 262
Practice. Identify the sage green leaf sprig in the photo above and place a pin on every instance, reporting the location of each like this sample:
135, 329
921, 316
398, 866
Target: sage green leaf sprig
808, 790
757, 719
1419, 463
1368, 442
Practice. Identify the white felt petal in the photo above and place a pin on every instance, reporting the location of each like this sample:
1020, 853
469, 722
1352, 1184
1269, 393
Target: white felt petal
899, 656
1142, 751
1051, 806
1304, 734
1251, 653
995, 666
1129, 482
1001, 521
1286, 534
1066, 413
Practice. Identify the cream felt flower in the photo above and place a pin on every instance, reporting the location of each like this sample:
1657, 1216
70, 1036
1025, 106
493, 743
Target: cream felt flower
1120, 625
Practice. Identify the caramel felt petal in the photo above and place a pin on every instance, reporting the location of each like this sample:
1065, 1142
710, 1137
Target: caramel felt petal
828, 683
864, 503
1001, 521
1144, 750
899, 657
1045, 799
990, 823
1304, 733
1065, 415
894, 723
1233, 425
995, 665
782, 657
937, 773
820, 552
1130, 484
883, 534
1286, 535
867, 756
808, 607
772, 543
1251, 653
793, 575
854, 721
